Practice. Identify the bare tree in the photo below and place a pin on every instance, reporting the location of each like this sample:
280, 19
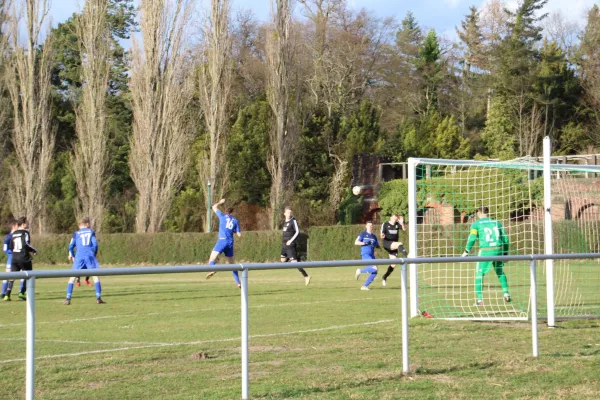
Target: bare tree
28, 82
4, 107
347, 50
214, 87
279, 50
161, 89
561, 30
91, 154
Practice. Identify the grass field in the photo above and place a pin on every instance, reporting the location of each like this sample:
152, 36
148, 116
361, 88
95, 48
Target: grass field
177, 337
447, 290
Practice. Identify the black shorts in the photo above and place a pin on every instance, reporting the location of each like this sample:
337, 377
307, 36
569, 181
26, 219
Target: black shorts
387, 246
17, 266
289, 252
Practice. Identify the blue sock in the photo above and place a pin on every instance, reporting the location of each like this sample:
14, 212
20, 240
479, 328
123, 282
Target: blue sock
368, 270
236, 276
370, 278
98, 290
212, 263
4, 285
70, 290
23, 285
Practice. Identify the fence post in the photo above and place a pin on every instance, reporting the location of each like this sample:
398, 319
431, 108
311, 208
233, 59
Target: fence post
404, 289
548, 249
245, 373
534, 312
30, 336
412, 234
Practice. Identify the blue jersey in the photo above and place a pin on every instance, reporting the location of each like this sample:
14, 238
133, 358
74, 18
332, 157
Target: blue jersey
228, 225
85, 241
370, 240
6, 248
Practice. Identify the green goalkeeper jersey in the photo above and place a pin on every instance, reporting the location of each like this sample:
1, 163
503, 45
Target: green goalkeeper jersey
491, 235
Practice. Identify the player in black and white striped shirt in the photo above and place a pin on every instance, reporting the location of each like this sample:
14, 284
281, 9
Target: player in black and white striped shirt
288, 248
390, 233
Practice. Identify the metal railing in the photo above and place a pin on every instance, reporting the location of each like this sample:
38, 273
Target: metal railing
31, 277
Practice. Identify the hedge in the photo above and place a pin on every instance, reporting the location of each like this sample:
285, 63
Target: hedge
162, 248
321, 243
337, 242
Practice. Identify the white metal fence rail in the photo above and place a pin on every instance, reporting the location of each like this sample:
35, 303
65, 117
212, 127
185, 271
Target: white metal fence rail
31, 277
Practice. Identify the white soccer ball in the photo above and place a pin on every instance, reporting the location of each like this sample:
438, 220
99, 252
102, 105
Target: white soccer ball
356, 190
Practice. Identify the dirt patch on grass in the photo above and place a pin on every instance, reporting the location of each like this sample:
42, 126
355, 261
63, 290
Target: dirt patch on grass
201, 356
95, 385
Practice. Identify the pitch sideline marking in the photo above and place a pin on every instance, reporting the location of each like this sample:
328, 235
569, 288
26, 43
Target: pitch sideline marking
383, 321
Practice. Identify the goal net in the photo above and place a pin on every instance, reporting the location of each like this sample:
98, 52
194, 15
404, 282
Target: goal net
448, 194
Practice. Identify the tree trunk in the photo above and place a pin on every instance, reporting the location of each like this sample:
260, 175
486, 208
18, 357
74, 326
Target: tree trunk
28, 82
91, 153
161, 89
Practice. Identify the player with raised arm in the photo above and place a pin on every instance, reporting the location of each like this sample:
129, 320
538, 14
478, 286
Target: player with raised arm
367, 242
493, 241
288, 248
20, 247
84, 240
228, 225
13, 227
390, 233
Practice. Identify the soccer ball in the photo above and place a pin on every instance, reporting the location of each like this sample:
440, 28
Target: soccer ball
356, 190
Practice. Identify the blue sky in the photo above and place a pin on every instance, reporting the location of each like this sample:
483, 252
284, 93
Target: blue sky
442, 15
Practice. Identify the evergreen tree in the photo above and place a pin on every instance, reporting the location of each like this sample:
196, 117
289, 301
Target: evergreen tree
498, 135
248, 147
472, 39
430, 70
556, 89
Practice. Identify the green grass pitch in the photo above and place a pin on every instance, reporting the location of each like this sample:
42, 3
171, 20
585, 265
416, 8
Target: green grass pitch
178, 337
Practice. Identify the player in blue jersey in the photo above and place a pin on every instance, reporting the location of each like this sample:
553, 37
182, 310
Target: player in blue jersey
228, 226
85, 257
13, 227
367, 241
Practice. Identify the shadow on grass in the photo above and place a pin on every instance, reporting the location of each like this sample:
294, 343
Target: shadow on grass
235, 293
479, 366
365, 383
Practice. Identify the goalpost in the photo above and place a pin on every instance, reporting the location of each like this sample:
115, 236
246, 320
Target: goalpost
443, 198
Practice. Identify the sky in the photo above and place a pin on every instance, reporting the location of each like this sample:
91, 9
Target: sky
441, 15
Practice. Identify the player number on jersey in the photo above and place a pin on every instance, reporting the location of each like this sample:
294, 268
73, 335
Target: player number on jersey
492, 236
229, 224
17, 246
85, 239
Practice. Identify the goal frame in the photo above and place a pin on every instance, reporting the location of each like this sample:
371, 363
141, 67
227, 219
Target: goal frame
547, 169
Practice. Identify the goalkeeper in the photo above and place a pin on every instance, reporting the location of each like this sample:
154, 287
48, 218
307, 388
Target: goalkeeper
493, 241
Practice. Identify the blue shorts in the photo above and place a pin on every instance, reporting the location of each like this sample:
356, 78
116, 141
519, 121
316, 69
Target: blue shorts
367, 257
88, 262
225, 247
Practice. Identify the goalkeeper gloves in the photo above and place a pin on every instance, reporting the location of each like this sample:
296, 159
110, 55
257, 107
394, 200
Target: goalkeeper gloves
465, 253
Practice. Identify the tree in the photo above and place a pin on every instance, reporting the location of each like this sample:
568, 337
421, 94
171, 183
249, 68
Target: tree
589, 66
161, 89
471, 90
91, 151
498, 135
430, 70
28, 82
449, 142
403, 76
214, 87
248, 146
284, 135
556, 89
348, 51
517, 57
